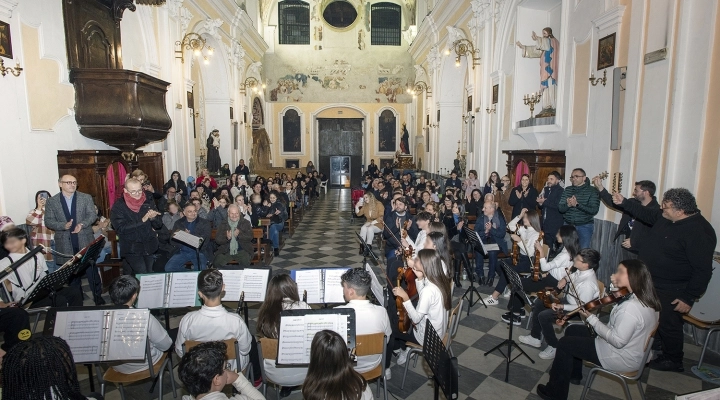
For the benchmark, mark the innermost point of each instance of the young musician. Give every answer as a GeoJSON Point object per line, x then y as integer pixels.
{"type": "Point", "coordinates": [212, 321]}
{"type": "Point", "coordinates": [330, 374]}
{"type": "Point", "coordinates": [202, 371]}
{"type": "Point", "coordinates": [619, 345]}
{"type": "Point", "coordinates": [434, 301]}
{"type": "Point", "coordinates": [422, 220]}
{"type": "Point", "coordinates": [580, 288]}
{"type": "Point", "coordinates": [124, 291]}
{"type": "Point", "coordinates": [526, 237]}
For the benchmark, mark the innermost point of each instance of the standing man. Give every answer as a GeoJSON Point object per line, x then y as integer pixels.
{"type": "Point", "coordinates": [242, 169]}
{"type": "Point", "coordinates": [579, 203]}
{"type": "Point", "coordinates": [135, 219]}
{"type": "Point", "coordinates": [549, 200]}
{"type": "Point", "coordinates": [234, 240]}
{"type": "Point", "coordinates": [373, 169]}
{"type": "Point", "coordinates": [71, 215]}
{"type": "Point", "coordinates": [634, 231]}
{"type": "Point", "coordinates": [679, 254]}
{"type": "Point", "coordinates": [193, 225]}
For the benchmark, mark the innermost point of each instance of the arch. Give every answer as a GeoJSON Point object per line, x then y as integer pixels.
{"type": "Point", "coordinates": [291, 118]}
{"type": "Point", "coordinates": [378, 145]}
{"type": "Point", "coordinates": [313, 138]}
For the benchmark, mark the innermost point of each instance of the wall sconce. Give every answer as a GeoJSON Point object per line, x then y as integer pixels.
{"type": "Point", "coordinates": [468, 117]}
{"type": "Point", "coordinates": [418, 88]}
{"type": "Point", "coordinates": [253, 84]}
{"type": "Point", "coordinates": [15, 71]}
{"type": "Point", "coordinates": [433, 125]}
{"type": "Point", "coordinates": [196, 43]}
{"type": "Point", "coordinates": [464, 47]}
{"type": "Point", "coordinates": [492, 110]}
{"type": "Point", "coordinates": [594, 81]}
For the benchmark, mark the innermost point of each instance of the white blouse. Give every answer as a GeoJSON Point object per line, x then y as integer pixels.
{"type": "Point", "coordinates": [430, 306]}
{"type": "Point", "coordinates": [557, 266]}
{"type": "Point", "coordinates": [528, 235]}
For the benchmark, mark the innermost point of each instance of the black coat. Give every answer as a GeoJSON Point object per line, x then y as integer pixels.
{"type": "Point", "coordinates": [640, 230]}
{"type": "Point", "coordinates": [551, 219]}
{"type": "Point", "coordinates": [179, 186]}
{"type": "Point", "coordinates": [203, 228]}
{"type": "Point", "coordinates": [390, 221]}
{"type": "Point", "coordinates": [136, 237]}
{"type": "Point", "coordinates": [518, 203]}
{"type": "Point", "coordinates": [244, 170]}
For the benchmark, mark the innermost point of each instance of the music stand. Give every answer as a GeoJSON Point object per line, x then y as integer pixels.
{"type": "Point", "coordinates": [515, 288]}
{"type": "Point", "coordinates": [443, 367]}
{"type": "Point", "coordinates": [367, 250]}
{"type": "Point", "coordinates": [88, 261]}
{"type": "Point", "coordinates": [474, 239]}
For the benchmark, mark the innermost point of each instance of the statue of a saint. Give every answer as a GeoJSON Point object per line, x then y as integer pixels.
{"type": "Point", "coordinates": [405, 140]}
{"type": "Point", "coordinates": [546, 49]}
{"type": "Point", "coordinates": [213, 151]}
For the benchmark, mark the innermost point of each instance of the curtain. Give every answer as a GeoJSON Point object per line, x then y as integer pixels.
{"type": "Point", "coordinates": [520, 169]}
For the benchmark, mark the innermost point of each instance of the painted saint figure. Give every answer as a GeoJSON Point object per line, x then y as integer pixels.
{"type": "Point", "coordinates": [546, 49]}
{"type": "Point", "coordinates": [405, 140]}
{"type": "Point", "coordinates": [213, 151]}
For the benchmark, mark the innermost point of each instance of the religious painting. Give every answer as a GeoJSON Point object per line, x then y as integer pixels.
{"type": "Point", "coordinates": [292, 140]}
{"type": "Point", "coordinates": [495, 93]}
{"type": "Point", "coordinates": [5, 43]}
{"type": "Point", "coordinates": [387, 132]}
{"type": "Point", "coordinates": [438, 117]}
{"type": "Point", "coordinates": [258, 119]}
{"type": "Point", "coordinates": [469, 104]}
{"type": "Point", "coordinates": [292, 163]}
{"type": "Point", "coordinates": [606, 52]}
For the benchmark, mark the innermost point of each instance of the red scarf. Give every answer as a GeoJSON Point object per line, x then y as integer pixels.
{"type": "Point", "coordinates": [132, 203]}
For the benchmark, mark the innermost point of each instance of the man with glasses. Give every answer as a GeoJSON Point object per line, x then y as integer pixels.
{"type": "Point", "coordinates": [548, 201]}
{"type": "Point", "coordinates": [135, 219]}
{"type": "Point", "coordinates": [71, 214]}
{"type": "Point", "coordinates": [579, 203]}
{"type": "Point", "coordinates": [679, 254]}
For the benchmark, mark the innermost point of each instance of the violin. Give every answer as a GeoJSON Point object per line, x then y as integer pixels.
{"type": "Point", "coordinates": [536, 262]}
{"type": "Point", "coordinates": [515, 246]}
{"type": "Point", "coordinates": [549, 296]}
{"type": "Point", "coordinates": [613, 297]}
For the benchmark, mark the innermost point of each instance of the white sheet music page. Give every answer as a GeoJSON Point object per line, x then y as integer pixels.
{"type": "Point", "coordinates": [375, 285]}
{"type": "Point", "coordinates": [487, 246]}
{"type": "Point", "coordinates": [310, 280]}
{"type": "Point", "coordinates": [333, 285]}
{"type": "Point", "coordinates": [187, 238]}
{"type": "Point", "coordinates": [128, 334]}
{"type": "Point", "coordinates": [233, 284]}
{"type": "Point", "coordinates": [315, 323]}
{"type": "Point", "coordinates": [152, 291]}
{"type": "Point", "coordinates": [254, 283]}
{"type": "Point", "coordinates": [83, 332]}
{"type": "Point", "coordinates": [291, 341]}
{"type": "Point", "coordinates": [183, 289]}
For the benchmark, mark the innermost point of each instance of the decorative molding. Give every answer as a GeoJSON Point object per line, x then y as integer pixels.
{"type": "Point", "coordinates": [173, 7]}
{"type": "Point", "coordinates": [434, 59]}
{"type": "Point", "coordinates": [497, 12]}
{"type": "Point", "coordinates": [454, 34]}
{"type": "Point", "coordinates": [420, 74]}
{"type": "Point", "coordinates": [211, 27]}
{"type": "Point", "coordinates": [254, 70]}
{"type": "Point", "coordinates": [189, 83]}
{"type": "Point", "coordinates": [185, 18]}
{"type": "Point", "coordinates": [609, 19]}
{"type": "Point", "coordinates": [7, 7]}
{"type": "Point", "coordinates": [236, 53]}
{"type": "Point", "coordinates": [119, 7]}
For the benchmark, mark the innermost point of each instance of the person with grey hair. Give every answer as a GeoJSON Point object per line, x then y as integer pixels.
{"type": "Point", "coordinates": [679, 254]}
{"type": "Point", "coordinates": [369, 318]}
{"type": "Point", "coordinates": [234, 240]}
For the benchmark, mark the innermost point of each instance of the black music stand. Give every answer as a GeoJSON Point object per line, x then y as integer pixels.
{"type": "Point", "coordinates": [444, 368]}
{"type": "Point", "coordinates": [472, 290]}
{"type": "Point", "coordinates": [367, 250]}
{"type": "Point", "coordinates": [88, 261]}
{"type": "Point", "coordinates": [515, 288]}
{"type": "Point", "coordinates": [51, 284]}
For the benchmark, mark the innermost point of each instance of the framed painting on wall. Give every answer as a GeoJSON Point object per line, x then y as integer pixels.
{"type": "Point", "coordinates": [387, 132]}
{"type": "Point", "coordinates": [606, 52]}
{"type": "Point", "coordinates": [5, 43]}
{"type": "Point", "coordinates": [469, 103]}
{"type": "Point", "coordinates": [495, 93]}
{"type": "Point", "coordinates": [292, 163]}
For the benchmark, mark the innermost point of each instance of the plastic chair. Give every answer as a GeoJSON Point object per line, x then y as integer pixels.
{"type": "Point", "coordinates": [373, 344]}
{"type": "Point", "coordinates": [416, 350]}
{"type": "Point", "coordinates": [712, 327]}
{"type": "Point", "coordinates": [323, 185]}
{"type": "Point", "coordinates": [231, 352]}
{"type": "Point", "coordinates": [624, 376]}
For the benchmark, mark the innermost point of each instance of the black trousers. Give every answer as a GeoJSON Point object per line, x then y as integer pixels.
{"type": "Point", "coordinates": [397, 341]}
{"type": "Point", "coordinates": [523, 265]}
{"type": "Point", "coordinates": [670, 330]}
{"type": "Point", "coordinates": [93, 277]}
{"type": "Point", "coordinates": [531, 286]}
{"type": "Point", "coordinates": [577, 345]}
{"type": "Point", "coordinates": [15, 325]}
{"type": "Point", "coordinates": [138, 264]}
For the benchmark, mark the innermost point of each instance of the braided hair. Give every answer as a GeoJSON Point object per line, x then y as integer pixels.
{"type": "Point", "coordinates": [40, 368]}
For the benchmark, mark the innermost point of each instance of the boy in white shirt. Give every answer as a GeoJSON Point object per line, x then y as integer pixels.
{"type": "Point", "coordinates": [212, 321]}
{"type": "Point", "coordinates": [124, 291]}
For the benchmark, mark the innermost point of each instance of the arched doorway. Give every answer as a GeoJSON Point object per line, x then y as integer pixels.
{"type": "Point", "coordinates": [340, 143]}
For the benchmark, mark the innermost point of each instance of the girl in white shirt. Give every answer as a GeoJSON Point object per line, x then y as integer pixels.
{"type": "Point", "coordinates": [619, 345]}
{"type": "Point", "coordinates": [330, 373]}
{"type": "Point", "coordinates": [434, 301]}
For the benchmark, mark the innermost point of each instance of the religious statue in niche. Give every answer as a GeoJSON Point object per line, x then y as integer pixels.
{"type": "Point", "coordinates": [213, 151]}
{"type": "Point", "coordinates": [546, 49]}
{"type": "Point", "coordinates": [405, 140]}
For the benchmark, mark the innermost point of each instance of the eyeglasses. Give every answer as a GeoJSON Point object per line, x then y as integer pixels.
{"type": "Point", "coordinates": [578, 176]}
{"type": "Point", "coordinates": [135, 191]}
{"type": "Point", "coordinates": [69, 182]}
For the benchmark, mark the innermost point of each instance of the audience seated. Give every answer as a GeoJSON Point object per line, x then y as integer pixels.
{"type": "Point", "coordinates": [193, 225]}
{"type": "Point", "coordinates": [234, 240]}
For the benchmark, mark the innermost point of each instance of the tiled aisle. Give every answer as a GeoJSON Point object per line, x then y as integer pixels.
{"type": "Point", "coordinates": [326, 238]}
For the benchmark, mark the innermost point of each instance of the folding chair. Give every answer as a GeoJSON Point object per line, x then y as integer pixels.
{"type": "Point", "coordinates": [373, 344]}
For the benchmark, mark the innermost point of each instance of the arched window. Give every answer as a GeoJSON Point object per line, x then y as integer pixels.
{"type": "Point", "coordinates": [294, 21]}
{"type": "Point", "coordinates": [385, 29]}
{"type": "Point", "coordinates": [387, 132]}
{"type": "Point", "coordinates": [292, 140]}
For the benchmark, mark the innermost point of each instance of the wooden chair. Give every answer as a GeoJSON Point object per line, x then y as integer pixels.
{"type": "Point", "coordinates": [369, 345]}
{"type": "Point", "coordinates": [231, 353]}
{"type": "Point", "coordinates": [262, 251]}
{"type": "Point", "coordinates": [163, 364]}
{"type": "Point", "coordinates": [267, 350]}
{"type": "Point", "coordinates": [415, 350]}
{"type": "Point", "coordinates": [112, 268]}
{"type": "Point", "coordinates": [601, 289]}
{"type": "Point", "coordinates": [624, 376]}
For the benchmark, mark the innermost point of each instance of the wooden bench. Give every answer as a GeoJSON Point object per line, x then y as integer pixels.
{"type": "Point", "coordinates": [112, 268]}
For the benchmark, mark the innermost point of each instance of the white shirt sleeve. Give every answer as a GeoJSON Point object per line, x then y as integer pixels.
{"type": "Point", "coordinates": [245, 389]}
{"type": "Point", "coordinates": [158, 335]}
{"type": "Point", "coordinates": [619, 335]}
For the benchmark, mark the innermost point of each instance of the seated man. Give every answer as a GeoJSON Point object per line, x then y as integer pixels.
{"type": "Point", "coordinates": [234, 240]}
{"type": "Point", "coordinates": [490, 226]}
{"type": "Point", "coordinates": [369, 318]}
{"type": "Point", "coordinates": [202, 371]}
{"type": "Point", "coordinates": [124, 291]}
{"type": "Point", "coordinates": [193, 225]}
{"type": "Point", "coordinates": [212, 321]}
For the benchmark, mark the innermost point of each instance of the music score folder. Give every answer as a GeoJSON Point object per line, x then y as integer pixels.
{"type": "Point", "coordinates": [298, 328]}
{"type": "Point", "coordinates": [323, 285]}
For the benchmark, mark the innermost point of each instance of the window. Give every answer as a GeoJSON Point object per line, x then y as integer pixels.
{"type": "Point", "coordinates": [340, 14]}
{"type": "Point", "coordinates": [292, 141]}
{"type": "Point", "coordinates": [294, 18]}
{"type": "Point", "coordinates": [385, 24]}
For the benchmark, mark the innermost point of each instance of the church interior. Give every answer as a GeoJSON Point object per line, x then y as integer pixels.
{"type": "Point", "coordinates": [96, 89]}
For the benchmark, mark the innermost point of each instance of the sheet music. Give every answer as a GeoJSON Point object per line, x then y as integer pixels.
{"type": "Point", "coordinates": [333, 292]}
{"type": "Point", "coordinates": [486, 246]}
{"type": "Point", "coordinates": [375, 286]}
{"type": "Point", "coordinates": [128, 334]}
{"type": "Point", "coordinates": [83, 331]}
{"type": "Point", "coordinates": [310, 280]}
{"type": "Point", "coordinates": [297, 333]}
{"type": "Point", "coordinates": [189, 239]}
{"type": "Point", "coordinates": [233, 284]}
{"type": "Point", "coordinates": [183, 289]}
{"type": "Point", "coordinates": [152, 291]}
{"type": "Point", "coordinates": [254, 283]}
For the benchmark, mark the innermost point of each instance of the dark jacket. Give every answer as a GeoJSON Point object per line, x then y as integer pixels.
{"type": "Point", "coordinates": [391, 224]}
{"type": "Point", "coordinates": [280, 218]}
{"type": "Point", "coordinates": [518, 203]}
{"type": "Point", "coordinates": [244, 238]}
{"type": "Point", "coordinates": [136, 237]}
{"type": "Point", "coordinates": [202, 229]}
{"type": "Point", "coordinates": [475, 207]}
{"type": "Point", "coordinates": [678, 254]}
{"type": "Point", "coordinates": [588, 204]}
{"type": "Point", "coordinates": [55, 219]}
{"type": "Point", "coordinates": [453, 182]}
{"type": "Point", "coordinates": [179, 185]}
{"type": "Point", "coordinates": [244, 170]}
{"type": "Point", "coordinates": [216, 216]}
{"type": "Point", "coordinates": [640, 230]}
{"type": "Point", "coordinates": [497, 233]}
{"type": "Point", "coordinates": [551, 219]}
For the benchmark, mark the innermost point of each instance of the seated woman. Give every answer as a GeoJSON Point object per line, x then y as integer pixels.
{"type": "Point", "coordinates": [282, 294]}
{"type": "Point", "coordinates": [475, 204]}
{"type": "Point", "coordinates": [218, 214]}
{"type": "Point", "coordinates": [619, 345]}
{"type": "Point", "coordinates": [373, 211]}
{"type": "Point", "coordinates": [330, 373]}
{"type": "Point", "coordinates": [455, 220]}
{"type": "Point", "coordinates": [172, 214]}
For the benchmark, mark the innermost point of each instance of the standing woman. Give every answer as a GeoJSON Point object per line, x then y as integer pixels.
{"type": "Point", "coordinates": [373, 211]}
{"type": "Point", "coordinates": [523, 196]}
{"type": "Point", "coordinates": [493, 183]}
{"type": "Point", "coordinates": [176, 182]}
{"type": "Point", "coordinates": [277, 212]}
{"type": "Point", "coordinates": [471, 183]}
{"type": "Point", "coordinates": [310, 168]}
{"type": "Point", "coordinates": [41, 234]}
{"type": "Point", "coordinates": [502, 197]}
{"type": "Point", "coordinates": [619, 345]}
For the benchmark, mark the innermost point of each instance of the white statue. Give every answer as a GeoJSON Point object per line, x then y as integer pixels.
{"type": "Point", "coordinates": [546, 49]}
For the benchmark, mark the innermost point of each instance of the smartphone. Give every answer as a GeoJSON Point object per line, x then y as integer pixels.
{"type": "Point", "coordinates": [44, 196]}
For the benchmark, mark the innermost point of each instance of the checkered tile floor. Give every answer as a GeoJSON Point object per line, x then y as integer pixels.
{"type": "Point", "coordinates": [326, 237]}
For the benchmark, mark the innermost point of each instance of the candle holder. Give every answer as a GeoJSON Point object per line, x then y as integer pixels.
{"type": "Point", "coordinates": [530, 100]}
{"type": "Point", "coordinates": [14, 71]}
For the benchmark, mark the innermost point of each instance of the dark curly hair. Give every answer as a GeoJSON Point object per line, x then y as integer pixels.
{"type": "Point", "coordinates": [358, 279]}
{"type": "Point", "coordinates": [199, 366]}
{"type": "Point", "coordinates": [682, 200]}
